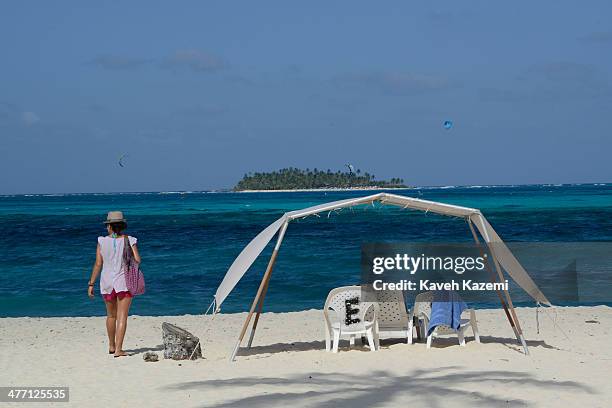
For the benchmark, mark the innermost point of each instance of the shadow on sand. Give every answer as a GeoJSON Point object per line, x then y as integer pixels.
{"type": "Point", "coordinates": [159, 347]}
{"type": "Point", "coordinates": [442, 342]}
{"type": "Point", "coordinates": [420, 387]}
{"type": "Point", "coordinates": [514, 345]}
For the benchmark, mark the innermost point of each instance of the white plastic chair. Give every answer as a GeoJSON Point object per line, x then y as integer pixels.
{"type": "Point", "coordinates": [336, 323]}
{"type": "Point", "coordinates": [422, 312]}
{"type": "Point", "coordinates": [393, 318]}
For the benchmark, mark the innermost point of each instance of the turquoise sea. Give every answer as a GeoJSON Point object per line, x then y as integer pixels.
{"type": "Point", "coordinates": [188, 240]}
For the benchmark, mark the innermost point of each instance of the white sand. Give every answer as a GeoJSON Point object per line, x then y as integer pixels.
{"type": "Point", "coordinates": [325, 189]}
{"type": "Point", "coordinates": [288, 366]}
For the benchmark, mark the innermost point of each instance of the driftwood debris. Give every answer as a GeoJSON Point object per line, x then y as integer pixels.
{"type": "Point", "coordinates": [179, 343]}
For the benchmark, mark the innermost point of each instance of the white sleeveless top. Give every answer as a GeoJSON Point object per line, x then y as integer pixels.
{"type": "Point", "coordinates": [112, 257]}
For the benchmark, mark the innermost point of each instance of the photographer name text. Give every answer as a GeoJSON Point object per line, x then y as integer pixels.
{"type": "Point", "coordinates": [427, 285]}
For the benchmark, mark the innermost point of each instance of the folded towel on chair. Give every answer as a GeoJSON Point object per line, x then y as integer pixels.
{"type": "Point", "coordinates": [446, 309]}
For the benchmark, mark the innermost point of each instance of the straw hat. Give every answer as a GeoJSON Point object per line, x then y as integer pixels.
{"type": "Point", "coordinates": [115, 217]}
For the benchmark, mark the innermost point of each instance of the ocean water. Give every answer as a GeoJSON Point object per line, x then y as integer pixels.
{"type": "Point", "coordinates": [188, 240]}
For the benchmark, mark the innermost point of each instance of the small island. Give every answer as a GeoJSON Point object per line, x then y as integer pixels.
{"type": "Point", "coordinates": [291, 179]}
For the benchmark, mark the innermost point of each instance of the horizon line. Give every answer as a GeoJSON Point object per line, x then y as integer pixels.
{"type": "Point", "coordinates": [230, 190]}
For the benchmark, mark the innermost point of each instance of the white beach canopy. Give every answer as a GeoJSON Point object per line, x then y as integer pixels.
{"type": "Point", "coordinates": [251, 252]}
{"type": "Point", "coordinates": [504, 260]}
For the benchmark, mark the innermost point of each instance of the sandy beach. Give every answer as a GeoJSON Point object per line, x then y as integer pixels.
{"type": "Point", "coordinates": [325, 190]}
{"type": "Point", "coordinates": [288, 365]}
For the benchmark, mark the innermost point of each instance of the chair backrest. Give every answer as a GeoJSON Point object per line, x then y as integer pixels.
{"type": "Point", "coordinates": [392, 313]}
{"type": "Point", "coordinates": [422, 304]}
{"type": "Point", "coordinates": [336, 300]}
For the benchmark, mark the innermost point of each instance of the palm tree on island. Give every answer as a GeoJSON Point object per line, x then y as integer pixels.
{"type": "Point", "coordinates": [292, 178]}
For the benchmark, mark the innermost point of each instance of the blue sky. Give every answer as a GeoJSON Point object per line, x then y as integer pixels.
{"type": "Point", "coordinates": [198, 93]}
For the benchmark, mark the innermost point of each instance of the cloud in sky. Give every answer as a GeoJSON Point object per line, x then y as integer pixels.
{"type": "Point", "coordinates": [567, 73]}
{"type": "Point", "coordinates": [97, 108]}
{"type": "Point", "coordinates": [13, 114]}
{"type": "Point", "coordinates": [601, 37]}
{"type": "Point", "coordinates": [118, 62]}
{"type": "Point", "coordinates": [501, 95]}
{"type": "Point", "coordinates": [29, 118]}
{"type": "Point", "coordinates": [568, 79]}
{"type": "Point", "coordinates": [201, 111]}
{"type": "Point", "coordinates": [563, 71]}
{"type": "Point", "coordinates": [441, 17]}
{"type": "Point", "coordinates": [7, 110]}
{"type": "Point", "coordinates": [194, 60]}
{"type": "Point", "coordinates": [395, 83]}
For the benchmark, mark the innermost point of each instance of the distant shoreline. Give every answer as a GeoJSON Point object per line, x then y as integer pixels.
{"type": "Point", "coordinates": [229, 190]}
{"type": "Point", "coordinates": [308, 190]}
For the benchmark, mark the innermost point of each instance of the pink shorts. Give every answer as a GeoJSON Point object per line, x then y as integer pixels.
{"type": "Point", "coordinates": [109, 297]}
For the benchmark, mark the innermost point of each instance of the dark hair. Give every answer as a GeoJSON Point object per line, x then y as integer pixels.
{"type": "Point", "coordinates": [117, 227]}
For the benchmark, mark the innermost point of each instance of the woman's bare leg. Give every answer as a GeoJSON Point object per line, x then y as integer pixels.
{"type": "Point", "coordinates": [111, 322]}
{"type": "Point", "coordinates": [123, 308]}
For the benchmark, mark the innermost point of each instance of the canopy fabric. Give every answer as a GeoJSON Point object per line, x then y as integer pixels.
{"type": "Point", "coordinates": [250, 253]}
{"type": "Point", "coordinates": [428, 206]}
{"type": "Point", "coordinates": [507, 260]}
{"type": "Point", "coordinates": [334, 205]}
{"type": "Point", "coordinates": [385, 198]}
{"type": "Point", "coordinates": [246, 258]}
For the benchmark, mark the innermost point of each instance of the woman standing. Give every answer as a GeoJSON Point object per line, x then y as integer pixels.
{"type": "Point", "coordinates": [109, 259]}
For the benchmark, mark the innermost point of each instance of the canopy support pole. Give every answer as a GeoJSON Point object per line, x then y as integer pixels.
{"type": "Point", "coordinates": [494, 280]}
{"type": "Point", "coordinates": [262, 285]}
{"type": "Point", "coordinates": [521, 338]}
{"type": "Point", "coordinates": [259, 309]}
{"type": "Point", "coordinates": [518, 331]}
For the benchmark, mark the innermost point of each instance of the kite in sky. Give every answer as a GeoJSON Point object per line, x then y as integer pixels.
{"type": "Point", "coordinates": [447, 124]}
{"type": "Point", "coordinates": [121, 159]}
